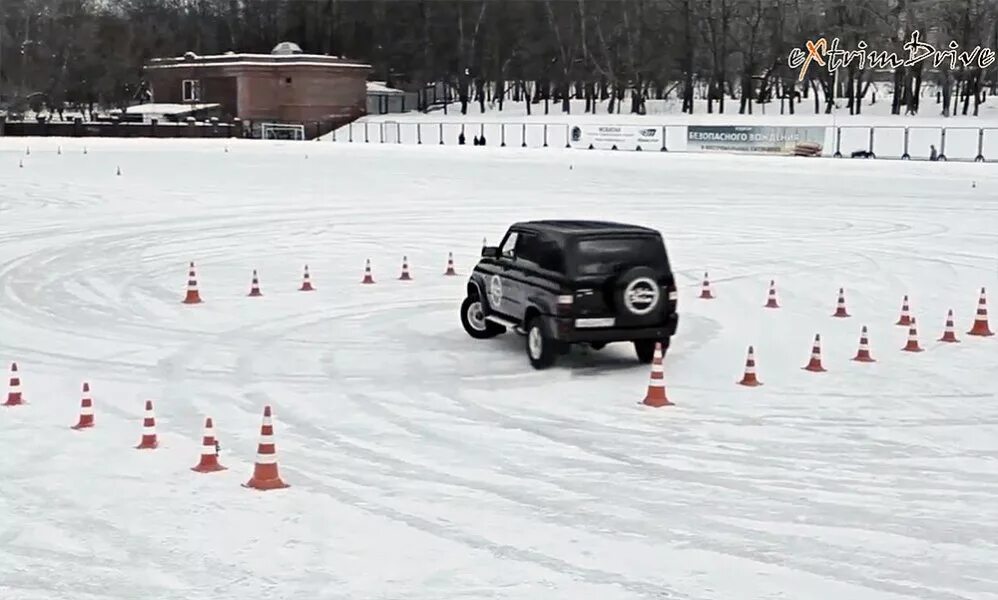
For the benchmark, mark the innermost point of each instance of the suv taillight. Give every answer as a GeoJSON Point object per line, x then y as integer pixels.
{"type": "Point", "coordinates": [565, 304]}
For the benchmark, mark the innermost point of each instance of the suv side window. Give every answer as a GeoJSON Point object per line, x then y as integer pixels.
{"type": "Point", "coordinates": [507, 248]}
{"type": "Point", "coordinates": [527, 247]}
{"type": "Point", "coordinates": [550, 256]}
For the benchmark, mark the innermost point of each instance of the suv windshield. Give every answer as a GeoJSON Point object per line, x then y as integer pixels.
{"type": "Point", "coordinates": [606, 255]}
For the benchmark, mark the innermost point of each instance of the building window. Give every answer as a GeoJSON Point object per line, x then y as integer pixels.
{"type": "Point", "coordinates": [192, 90]}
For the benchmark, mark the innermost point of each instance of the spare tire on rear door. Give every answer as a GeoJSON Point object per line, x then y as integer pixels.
{"type": "Point", "coordinates": [637, 293]}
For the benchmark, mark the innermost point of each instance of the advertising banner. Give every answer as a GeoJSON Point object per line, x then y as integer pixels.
{"type": "Point", "coordinates": [790, 141]}
{"type": "Point", "coordinates": [623, 137]}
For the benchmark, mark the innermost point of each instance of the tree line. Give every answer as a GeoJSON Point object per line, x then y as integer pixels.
{"type": "Point", "coordinates": [612, 54]}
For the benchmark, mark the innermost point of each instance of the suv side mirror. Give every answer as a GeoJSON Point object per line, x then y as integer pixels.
{"type": "Point", "coordinates": [490, 251]}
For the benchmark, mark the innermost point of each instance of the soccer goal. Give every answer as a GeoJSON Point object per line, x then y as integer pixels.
{"type": "Point", "coordinates": [282, 131]}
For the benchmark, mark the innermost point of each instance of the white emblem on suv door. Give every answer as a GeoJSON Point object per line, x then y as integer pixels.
{"type": "Point", "coordinates": [641, 296]}
{"type": "Point", "coordinates": [495, 291]}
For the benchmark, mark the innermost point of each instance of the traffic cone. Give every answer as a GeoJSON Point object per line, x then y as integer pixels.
{"type": "Point", "coordinates": [750, 378]}
{"type": "Point", "coordinates": [814, 365]}
{"type": "Point", "coordinates": [981, 327]}
{"type": "Point", "coordinates": [905, 319]}
{"type": "Point", "coordinates": [265, 473]}
{"type": "Point", "coordinates": [705, 292]}
{"type": "Point", "coordinates": [255, 286]}
{"type": "Point", "coordinates": [949, 336]}
{"type": "Point", "coordinates": [863, 354]}
{"type": "Point", "coordinates": [14, 397]}
{"type": "Point", "coordinates": [209, 451]}
{"type": "Point", "coordinates": [367, 273]}
{"type": "Point", "coordinates": [149, 440]}
{"type": "Point", "coordinates": [655, 396]}
{"type": "Point", "coordinates": [306, 282]}
{"type": "Point", "coordinates": [193, 296]}
{"type": "Point", "coordinates": [771, 302]}
{"type": "Point", "coordinates": [450, 265]}
{"type": "Point", "coordinates": [840, 308]}
{"type": "Point", "coordinates": [405, 270]}
{"type": "Point", "coordinates": [86, 410]}
{"type": "Point", "coordinates": [912, 345]}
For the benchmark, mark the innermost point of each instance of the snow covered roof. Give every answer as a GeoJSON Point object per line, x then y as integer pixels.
{"type": "Point", "coordinates": [167, 109]}
{"type": "Point", "coordinates": [285, 57]}
{"type": "Point", "coordinates": [379, 88]}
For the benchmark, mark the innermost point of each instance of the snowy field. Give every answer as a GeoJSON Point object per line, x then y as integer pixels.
{"type": "Point", "coordinates": [425, 465]}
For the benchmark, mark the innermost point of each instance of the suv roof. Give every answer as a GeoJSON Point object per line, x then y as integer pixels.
{"type": "Point", "coordinates": [581, 227]}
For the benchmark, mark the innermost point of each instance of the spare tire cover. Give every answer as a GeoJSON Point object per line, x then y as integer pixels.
{"type": "Point", "coordinates": [638, 293]}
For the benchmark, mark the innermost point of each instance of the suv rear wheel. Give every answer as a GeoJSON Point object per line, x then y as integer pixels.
{"type": "Point", "coordinates": [645, 349]}
{"type": "Point", "coordinates": [541, 349]}
{"type": "Point", "coordinates": [474, 322]}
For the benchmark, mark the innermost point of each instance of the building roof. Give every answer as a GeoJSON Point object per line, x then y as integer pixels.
{"type": "Point", "coordinates": [379, 88]}
{"type": "Point", "coordinates": [284, 54]}
{"type": "Point", "coordinates": [167, 109]}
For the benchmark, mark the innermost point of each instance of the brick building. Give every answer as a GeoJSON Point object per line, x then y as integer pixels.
{"type": "Point", "coordinates": [286, 86]}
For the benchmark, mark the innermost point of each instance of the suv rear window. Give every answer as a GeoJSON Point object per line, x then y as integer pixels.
{"type": "Point", "coordinates": [605, 255]}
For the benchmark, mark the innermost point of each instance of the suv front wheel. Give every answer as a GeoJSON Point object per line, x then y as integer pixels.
{"type": "Point", "coordinates": [645, 349]}
{"type": "Point", "coordinates": [474, 322]}
{"type": "Point", "coordinates": [541, 349]}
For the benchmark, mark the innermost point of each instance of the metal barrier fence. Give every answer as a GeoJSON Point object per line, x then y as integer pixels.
{"type": "Point", "coordinates": [967, 144]}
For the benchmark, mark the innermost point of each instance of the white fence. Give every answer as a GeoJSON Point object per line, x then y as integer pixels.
{"type": "Point", "coordinates": [971, 144]}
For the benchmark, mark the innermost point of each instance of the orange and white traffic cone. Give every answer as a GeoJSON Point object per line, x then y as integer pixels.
{"type": "Point", "coordinates": [705, 292]}
{"type": "Point", "coordinates": [840, 308]}
{"type": "Point", "coordinates": [86, 410]}
{"type": "Point", "coordinates": [193, 296]}
{"type": "Point", "coordinates": [450, 265]}
{"type": "Point", "coordinates": [149, 439]}
{"type": "Point", "coordinates": [814, 365]}
{"type": "Point", "coordinates": [14, 397]}
{"type": "Point", "coordinates": [912, 345]}
{"type": "Point", "coordinates": [656, 396]}
{"type": "Point", "coordinates": [306, 282]}
{"type": "Point", "coordinates": [771, 302]}
{"type": "Point", "coordinates": [368, 278]}
{"type": "Point", "coordinates": [255, 286]}
{"type": "Point", "coordinates": [863, 354]}
{"type": "Point", "coordinates": [209, 451]}
{"type": "Point", "coordinates": [905, 319]}
{"type": "Point", "coordinates": [750, 379]}
{"type": "Point", "coordinates": [949, 335]}
{"type": "Point", "coordinates": [981, 327]}
{"type": "Point", "coordinates": [265, 472]}
{"type": "Point", "coordinates": [405, 270]}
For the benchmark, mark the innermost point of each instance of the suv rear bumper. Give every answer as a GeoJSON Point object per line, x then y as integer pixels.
{"type": "Point", "coordinates": [564, 330]}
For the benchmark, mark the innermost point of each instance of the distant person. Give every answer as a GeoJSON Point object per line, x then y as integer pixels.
{"type": "Point", "coordinates": [933, 155]}
{"type": "Point", "coordinates": [481, 140]}
{"type": "Point", "coordinates": [475, 141]}
{"type": "Point", "coordinates": [460, 139]}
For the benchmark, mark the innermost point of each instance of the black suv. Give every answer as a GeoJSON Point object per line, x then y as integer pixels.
{"type": "Point", "coordinates": [567, 282]}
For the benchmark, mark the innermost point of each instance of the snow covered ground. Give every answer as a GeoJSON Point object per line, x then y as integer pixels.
{"type": "Point", "coordinates": [426, 465]}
